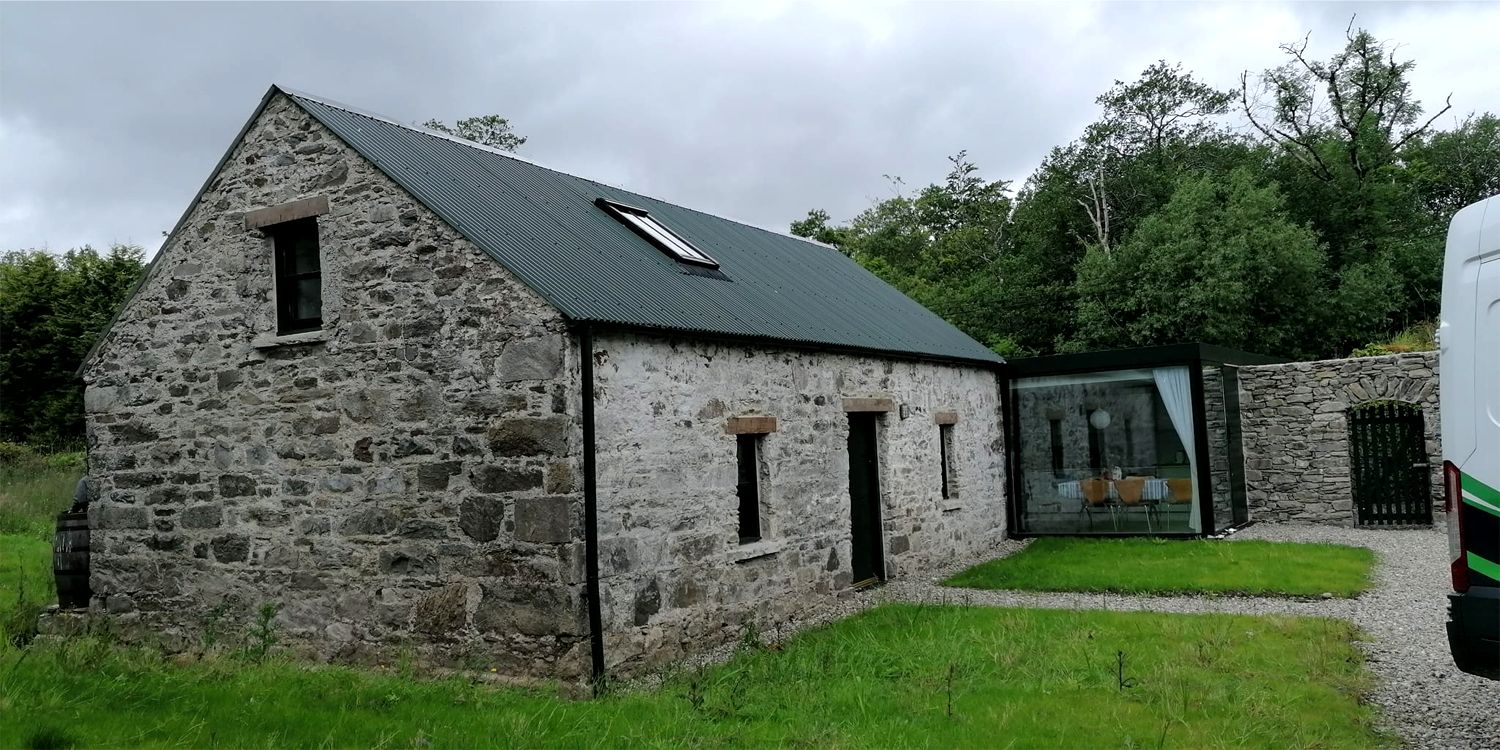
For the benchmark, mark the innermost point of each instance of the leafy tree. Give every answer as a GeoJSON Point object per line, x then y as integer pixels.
{"type": "Point", "coordinates": [1341, 127]}
{"type": "Point", "coordinates": [1451, 169]}
{"type": "Point", "coordinates": [816, 226]}
{"type": "Point", "coordinates": [940, 247]}
{"type": "Point", "coordinates": [1220, 263]}
{"type": "Point", "coordinates": [1095, 190]}
{"type": "Point", "coordinates": [52, 309]}
{"type": "Point", "coordinates": [491, 130]}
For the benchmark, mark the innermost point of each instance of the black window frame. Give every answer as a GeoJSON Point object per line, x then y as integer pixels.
{"type": "Point", "coordinates": [284, 239]}
{"type": "Point", "coordinates": [747, 488]}
{"type": "Point", "coordinates": [656, 232]}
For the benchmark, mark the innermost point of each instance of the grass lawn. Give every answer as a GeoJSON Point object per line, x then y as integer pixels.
{"type": "Point", "coordinates": [1159, 566]}
{"type": "Point", "coordinates": [897, 676]}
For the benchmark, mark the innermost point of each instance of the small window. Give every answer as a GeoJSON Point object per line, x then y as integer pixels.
{"type": "Point", "coordinates": [1096, 449]}
{"type": "Point", "coordinates": [1057, 447]}
{"type": "Point", "coordinates": [299, 276]}
{"type": "Point", "coordinates": [945, 456]}
{"type": "Point", "coordinates": [749, 488]}
{"type": "Point", "coordinates": [647, 226]}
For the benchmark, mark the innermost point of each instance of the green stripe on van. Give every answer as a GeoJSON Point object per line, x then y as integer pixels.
{"type": "Point", "coordinates": [1480, 490]}
{"type": "Point", "coordinates": [1480, 496]}
{"type": "Point", "coordinates": [1481, 565]}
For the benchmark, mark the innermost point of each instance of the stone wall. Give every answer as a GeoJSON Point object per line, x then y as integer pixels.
{"type": "Point", "coordinates": [1217, 426]}
{"type": "Point", "coordinates": [1296, 435]}
{"type": "Point", "coordinates": [675, 578]}
{"type": "Point", "coordinates": [412, 478]}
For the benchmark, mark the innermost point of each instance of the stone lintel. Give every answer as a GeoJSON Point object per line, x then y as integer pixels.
{"type": "Point", "coordinates": [869, 404]}
{"type": "Point", "coordinates": [301, 209]}
{"type": "Point", "coordinates": [749, 425]}
{"type": "Point", "coordinates": [945, 417]}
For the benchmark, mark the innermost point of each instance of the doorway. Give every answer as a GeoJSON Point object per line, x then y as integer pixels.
{"type": "Point", "coordinates": [868, 556]}
{"type": "Point", "coordinates": [1389, 465]}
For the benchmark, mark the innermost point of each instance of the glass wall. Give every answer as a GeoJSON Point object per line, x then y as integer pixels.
{"type": "Point", "coordinates": [1107, 452]}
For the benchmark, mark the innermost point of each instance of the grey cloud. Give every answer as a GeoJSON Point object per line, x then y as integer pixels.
{"type": "Point", "coordinates": [111, 115]}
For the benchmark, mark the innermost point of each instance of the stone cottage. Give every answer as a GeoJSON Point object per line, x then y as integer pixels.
{"type": "Point", "coordinates": [422, 394]}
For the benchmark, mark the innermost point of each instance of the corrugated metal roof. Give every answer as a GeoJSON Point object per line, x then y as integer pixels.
{"type": "Point", "coordinates": [543, 226]}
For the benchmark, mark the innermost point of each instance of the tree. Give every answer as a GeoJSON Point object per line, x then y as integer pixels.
{"type": "Point", "coordinates": [1092, 193]}
{"type": "Point", "coordinates": [1220, 263]}
{"type": "Point", "coordinates": [1366, 113]}
{"type": "Point", "coordinates": [816, 226]}
{"type": "Point", "coordinates": [939, 247]}
{"type": "Point", "coordinates": [491, 130]}
{"type": "Point", "coordinates": [1451, 169]}
{"type": "Point", "coordinates": [52, 310]}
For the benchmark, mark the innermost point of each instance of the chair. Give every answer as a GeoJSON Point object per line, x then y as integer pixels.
{"type": "Point", "coordinates": [1130, 492]}
{"type": "Point", "coordinates": [1180, 491]}
{"type": "Point", "coordinates": [1095, 497]}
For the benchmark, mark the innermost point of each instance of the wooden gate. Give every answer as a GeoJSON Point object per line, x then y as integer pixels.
{"type": "Point", "coordinates": [1388, 464]}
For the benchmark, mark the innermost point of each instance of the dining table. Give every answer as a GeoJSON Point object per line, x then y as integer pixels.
{"type": "Point", "coordinates": [1154, 490]}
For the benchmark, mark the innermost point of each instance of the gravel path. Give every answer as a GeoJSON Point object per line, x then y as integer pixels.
{"type": "Point", "coordinates": [1425, 700]}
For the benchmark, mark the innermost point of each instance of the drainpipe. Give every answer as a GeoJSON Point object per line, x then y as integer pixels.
{"type": "Point", "coordinates": [591, 507]}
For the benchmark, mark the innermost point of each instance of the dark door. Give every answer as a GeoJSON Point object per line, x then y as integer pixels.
{"type": "Point", "coordinates": [1388, 464]}
{"type": "Point", "coordinates": [864, 500]}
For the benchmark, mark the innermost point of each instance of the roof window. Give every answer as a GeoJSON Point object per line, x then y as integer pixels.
{"type": "Point", "coordinates": [647, 226]}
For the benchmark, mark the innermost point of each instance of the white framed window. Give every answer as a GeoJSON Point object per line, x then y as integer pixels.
{"type": "Point", "coordinates": [644, 224]}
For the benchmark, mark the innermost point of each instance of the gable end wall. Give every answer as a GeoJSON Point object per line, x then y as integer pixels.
{"type": "Point", "coordinates": [413, 480]}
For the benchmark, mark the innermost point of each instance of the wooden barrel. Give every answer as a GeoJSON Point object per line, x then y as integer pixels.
{"type": "Point", "coordinates": [70, 560]}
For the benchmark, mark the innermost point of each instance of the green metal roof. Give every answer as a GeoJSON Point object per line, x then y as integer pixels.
{"type": "Point", "coordinates": [543, 226]}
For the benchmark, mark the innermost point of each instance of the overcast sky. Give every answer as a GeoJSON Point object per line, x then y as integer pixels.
{"type": "Point", "coordinates": [112, 115]}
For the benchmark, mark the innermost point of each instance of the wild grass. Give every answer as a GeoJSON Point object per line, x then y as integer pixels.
{"type": "Point", "coordinates": [1160, 566]}
{"type": "Point", "coordinates": [896, 676]}
{"type": "Point", "coordinates": [34, 488]}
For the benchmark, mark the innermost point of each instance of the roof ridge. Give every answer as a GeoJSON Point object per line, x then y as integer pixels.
{"type": "Point", "coordinates": [533, 162]}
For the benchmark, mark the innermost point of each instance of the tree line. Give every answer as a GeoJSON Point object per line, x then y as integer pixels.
{"type": "Point", "coordinates": [1302, 213]}
{"type": "Point", "coordinates": [52, 309]}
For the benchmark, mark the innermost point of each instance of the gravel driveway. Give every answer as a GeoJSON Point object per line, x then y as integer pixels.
{"type": "Point", "coordinates": [1425, 699]}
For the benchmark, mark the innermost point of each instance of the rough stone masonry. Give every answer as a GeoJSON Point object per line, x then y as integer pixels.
{"type": "Point", "coordinates": [411, 476]}
{"type": "Point", "coordinates": [406, 477]}
{"type": "Point", "coordinates": [1296, 430]}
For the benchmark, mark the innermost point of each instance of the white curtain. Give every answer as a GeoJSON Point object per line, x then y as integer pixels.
{"type": "Point", "coordinates": [1177, 394]}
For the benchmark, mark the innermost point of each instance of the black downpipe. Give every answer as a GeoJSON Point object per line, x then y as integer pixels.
{"type": "Point", "coordinates": [591, 508]}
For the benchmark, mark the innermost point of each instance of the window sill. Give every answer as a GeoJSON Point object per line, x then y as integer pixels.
{"type": "Point", "coordinates": [272, 341]}
{"type": "Point", "coordinates": [756, 550]}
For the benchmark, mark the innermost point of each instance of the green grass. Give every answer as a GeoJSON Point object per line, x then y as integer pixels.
{"type": "Point", "coordinates": [1158, 566]}
{"type": "Point", "coordinates": [897, 676]}
{"type": "Point", "coordinates": [34, 488]}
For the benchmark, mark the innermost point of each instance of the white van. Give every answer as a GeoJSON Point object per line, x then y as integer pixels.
{"type": "Point", "coordinates": [1469, 372]}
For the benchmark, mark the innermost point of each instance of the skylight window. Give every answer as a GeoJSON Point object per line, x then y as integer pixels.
{"type": "Point", "coordinates": [644, 224]}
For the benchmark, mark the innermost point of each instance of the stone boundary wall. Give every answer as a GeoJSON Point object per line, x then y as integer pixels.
{"type": "Point", "coordinates": [1296, 435]}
